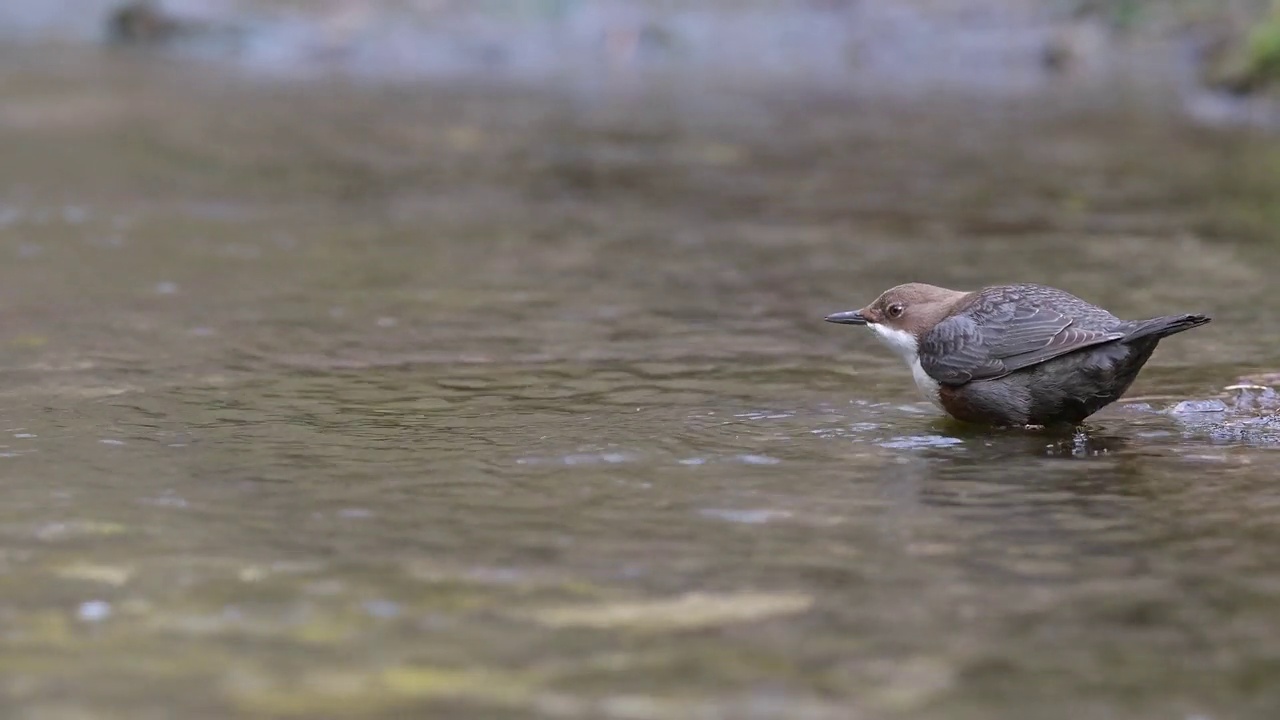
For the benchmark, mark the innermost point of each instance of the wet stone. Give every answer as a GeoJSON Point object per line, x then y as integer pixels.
{"type": "Point", "coordinates": [1254, 398]}
{"type": "Point", "coordinates": [1263, 431]}
{"type": "Point", "coordinates": [1246, 413]}
{"type": "Point", "coordinates": [1199, 406]}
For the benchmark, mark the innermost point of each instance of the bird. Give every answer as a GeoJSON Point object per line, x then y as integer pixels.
{"type": "Point", "coordinates": [1019, 355]}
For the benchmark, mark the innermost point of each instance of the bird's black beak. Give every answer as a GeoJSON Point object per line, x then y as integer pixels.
{"type": "Point", "coordinates": [851, 317]}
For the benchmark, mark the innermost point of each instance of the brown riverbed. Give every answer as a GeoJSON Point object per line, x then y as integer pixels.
{"type": "Point", "coordinates": [328, 400]}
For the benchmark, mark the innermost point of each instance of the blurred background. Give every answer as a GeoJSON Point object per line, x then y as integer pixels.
{"type": "Point", "coordinates": [444, 358]}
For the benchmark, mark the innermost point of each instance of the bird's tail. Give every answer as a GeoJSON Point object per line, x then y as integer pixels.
{"type": "Point", "coordinates": [1165, 326]}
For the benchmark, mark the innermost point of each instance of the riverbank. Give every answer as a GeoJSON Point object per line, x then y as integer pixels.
{"type": "Point", "coordinates": [1189, 55]}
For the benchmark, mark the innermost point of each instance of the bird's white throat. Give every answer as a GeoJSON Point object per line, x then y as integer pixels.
{"type": "Point", "coordinates": [904, 343]}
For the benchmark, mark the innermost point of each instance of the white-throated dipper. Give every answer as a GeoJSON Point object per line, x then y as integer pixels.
{"type": "Point", "coordinates": [1014, 355]}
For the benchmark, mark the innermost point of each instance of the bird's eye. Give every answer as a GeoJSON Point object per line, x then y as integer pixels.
{"type": "Point", "coordinates": [896, 310]}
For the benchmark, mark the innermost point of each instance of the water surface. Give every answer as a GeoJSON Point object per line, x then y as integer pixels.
{"type": "Point", "coordinates": [328, 401]}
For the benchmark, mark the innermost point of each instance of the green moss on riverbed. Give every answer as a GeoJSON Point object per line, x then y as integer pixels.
{"type": "Point", "coordinates": [1245, 58]}
{"type": "Point", "coordinates": [1263, 48]}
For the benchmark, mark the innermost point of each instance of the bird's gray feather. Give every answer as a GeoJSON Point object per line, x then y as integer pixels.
{"type": "Point", "coordinates": [1018, 327]}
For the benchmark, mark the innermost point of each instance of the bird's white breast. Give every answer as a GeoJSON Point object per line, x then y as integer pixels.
{"type": "Point", "coordinates": [904, 343]}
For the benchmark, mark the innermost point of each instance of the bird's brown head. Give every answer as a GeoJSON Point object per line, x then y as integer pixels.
{"type": "Point", "coordinates": [912, 308]}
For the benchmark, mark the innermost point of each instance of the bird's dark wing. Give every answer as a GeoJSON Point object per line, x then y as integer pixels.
{"type": "Point", "coordinates": [997, 340]}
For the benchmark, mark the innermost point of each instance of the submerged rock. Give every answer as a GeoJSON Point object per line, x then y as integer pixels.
{"type": "Point", "coordinates": [1245, 412]}
{"type": "Point", "coordinates": [1254, 398]}
{"type": "Point", "coordinates": [1081, 44]}
{"type": "Point", "coordinates": [150, 23]}
{"type": "Point", "coordinates": [1199, 406]}
{"type": "Point", "coordinates": [142, 23]}
{"type": "Point", "coordinates": [1259, 430]}
{"type": "Point", "coordinates": [693, 611]}
{"type": "Point", "coordinates": [1247, 397]}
